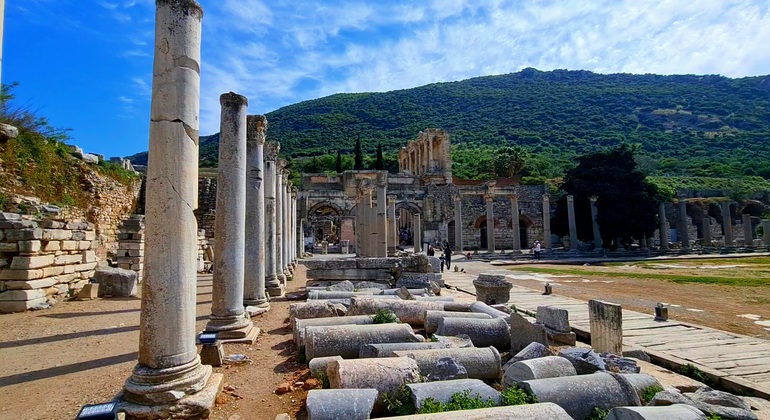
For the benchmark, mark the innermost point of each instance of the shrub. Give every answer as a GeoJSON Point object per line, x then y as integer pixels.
{"type": "Point", "coordinates": [649, 393]}
{"type": "Point", "coordinates": [384, 316]}
{"type": "Point", "coordinates": [517, 396]}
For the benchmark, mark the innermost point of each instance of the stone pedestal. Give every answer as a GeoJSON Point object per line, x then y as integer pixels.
{"type": "Point", "coordinates": [492, 289]}
{"type": "Point", "coordinates": [254, 293]}
{"type": "Point", "coordinates": [606, 323]}
{"type": "Point", "coordinates": [169, 376]}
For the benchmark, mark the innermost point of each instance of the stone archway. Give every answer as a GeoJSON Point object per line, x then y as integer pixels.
{"type": "Point", "coordinates": [324, 221]}
{"type": "Point", "coordinates": [405, 210]}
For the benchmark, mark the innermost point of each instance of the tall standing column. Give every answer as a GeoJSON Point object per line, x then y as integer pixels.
{"type": "Point", "coordinates": [663, 226]}
{"type": "Point", "coordinates": [459, 224]}
{"type": "Point", "coordinates": [573, 239]}
{"type": "Point", "coordinates": [2, 21]}
{"type": "Point", "coordinates": [430, 155]}
{"type": "Point", "coordinates": [490, 199]}
{"type": "Point", "coordinates": [748, 231]}
{"type": "Point", "coordinates": [766, 232]}
{"type": "Point", "coordinates": [294, 224]}
{"type": "Point", "coordinates": [706, 227]}
{"type": "Point", "coordinates": [228, 317]}
{"type": "Point", "coordinates": [254, 278]}
{"type": "Point", "coordinates": [515, 224]}
{"type": "Point", "coordinates": [382, 215]}
{"type": "Point", "coordinates": [595, 223]}
{"type": "Point", "coordinates": [546, 221]}
{"type": "Point", "coordinates": [273, 284]}
{"type": "Point", "coordinates": [169, 368]}
{"type": "Point", "coordinates": [279, 238]}
{"type": "Point", "coordinates": [392, 226]}
{"type": "Point", "coordinates": [684, 234]}
{"type": "Point", "coordinates": [727, 223]}
{"type": "Point", "coordinates": [287, 269]}
{"type": "Point", "coordinates": [417, 227]}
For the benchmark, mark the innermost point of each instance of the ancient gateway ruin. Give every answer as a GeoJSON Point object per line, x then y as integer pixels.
{"type": "Point", "coordinates": [429, 204]}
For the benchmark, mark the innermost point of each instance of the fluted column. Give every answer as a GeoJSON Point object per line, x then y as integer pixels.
{"type": "Point", "coordinates": [595, 224]}
{"type": "Point", "coordinates": [458, 224]}
{"type": "Point", "coordinates": [573, 239]}
{"type": "Point", "coordinates": [273, 284]}
{"type": "Point", "coordinates": [382, 215]}
{"type": "Point", "coordinates": [684, 234]}
{"type": "Point", "coordinates": [727, 223]}
{"type": "Point", "coordinates": [228, 316]}
{"type": "Point", "coordinates": [490, 199]}
{"type": "Point", "coordinates": [169, 368]}
{"type": "Point", "coordinates": [279, 215]}
{"type": "Point", "coordinates": [254, 293]}
{"type": "Point", "coordinates": [515, 224]}
{"type": "Point", "coordinates": [663, 226]}
{"type": "Point", "coordinates": [546, 221]}
{"type": "Point", "coordinates": [392, 226]}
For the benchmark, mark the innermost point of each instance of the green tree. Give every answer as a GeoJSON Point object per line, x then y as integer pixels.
{"type": "Point", "coordinates": [379, 163]}
{"type": "Point", "coordinates": [509, 161]}
{"type": "Point", "coordinates": [626, 202]}
{"type": "Point", "coordinates": [358, 156]}
{"type": "Point", "coordinates": [338, 166]}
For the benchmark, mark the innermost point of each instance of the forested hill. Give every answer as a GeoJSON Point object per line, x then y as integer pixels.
{"type": "Point", "coordinates": [682, 122]}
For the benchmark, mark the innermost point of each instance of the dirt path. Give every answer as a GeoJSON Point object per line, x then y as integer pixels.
{"type": "Point", "coordinates": [52, 362]}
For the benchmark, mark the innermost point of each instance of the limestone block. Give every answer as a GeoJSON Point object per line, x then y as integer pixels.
{"type": "Point", "coordinates": [30, 284]}
{"type": "Point", "coordinates": [341, 264]}
{"type": "Point", "coordinates": [675, 412]}
{"type": "Point", "coordinates": [523, 332]}
{"type": "Point", "coordinates": [388, 349]}
{"type": "Point", "coordinates": [419, 280]}
{"type": "Point", "coordinates": [9, 247]}
{"type": "Point", "coordinates": [27, 263]}
{"type": "Point", "coordinates": [432, 318]}
{"type": "Point", "coordinates": [69, 245]}
{"type": "Point", "coordinates": [532, 351]}
{"type": "Point", "coordinates": [22, 294]}
{"type": "Point", "coordinates": [89, 257]}
{"type": "Point", "coordinates": [83, 245]}
{"type": "Point", "coordinates": [537, 411]}
{"type": "Point", "coordinates": [301, 324]}
{"type": "Point", "coordinates": [482, 332]}
{"type": "Point", "coordinates": [336, 404]}
{"type": "Point", "coordinates": [318, 264]}
{"type": "Point", "coordinates": [480, 363]}
{"type": "Point", "coordinates": [56, 234]}
{"type": "Point", "coordinates": [540, 368]}
{"type": "Point", "coordinates": [381, 263]}
{"type": "Point", "coordinates": [4, 262]}
{"type": "Point", "coordinates": [349, 274]}
{"type": "Point", "coordinates": [52, 246]}
{"type": "Point", "coordinates": [21, 274]}
{"type": "Point", "coordinates": [384, 374]}
{"type": "Point", "coordinates": [54, 270]}
{"type": "Point", "coordinates": [8, 306]}
{"type": "Point", "coordinates": [52, 224]}
{"type": "Point", "coordinates": [435, 263]}
{"type": "Point", "coordinates": [409, 311]}
{"type": "Point", "coordinates": [132, 245]}
{"type": "Point", "coordinates": [442, 391]}
{"type": "Point", "coordinates": [85, 275]}
{"type": "Point", "coordinates": [30, 247]}
{"type": "Point", "coordinates": [346, 340]}
{"type": "Point", "coordinates": [319, 365]}
{"type": "Point", "coordinates": [69, 269]}
{"type": "Point", "coordinates": [68, 259]}
{"type": "Point", "coordinates": [89, 291]}
{"type": "Point", "coordinates": [85, 267]}
{"type": "Point", "coordinates": [116, 282]}
{"type": "Point", "coordinates": [606, 324]}
{"type": "Point", "coordinates": [90, 235]}
{"type": "Point", "coordinates": [585, 360]}
{"type": "Point", "coordinates": [578, 395]}
{"type": "Point", "coordinates": [18, 224]}
{"type": "Point", "coordinates": [67, 278]}
{"type": "Point", "coordinates": [714, 397]}
{"type": "Point", "coordinates": [5, 216]}
{"type": "Point", "coordinates": [554, 318]}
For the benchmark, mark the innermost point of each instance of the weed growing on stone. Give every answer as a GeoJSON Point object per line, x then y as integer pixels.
{"type": "Point", "coordinates": [714, 416]}
{"type": "Point", "coordinates": [693, 372]}
{"type": "Point", "coordinates": [459, 401]}
{"type": "Point", "coordinates": [517, 396]}
{"type": "Point", "coordinates": [385, 316]}
{"type": "Point", "coordinates": [598, 413]}
{"type": "Point", "coordinates": [324, 380]}
{"type": "Point", "coordinates": [649, 393]}
{"type": "Point", "coordinates": [399, 404]}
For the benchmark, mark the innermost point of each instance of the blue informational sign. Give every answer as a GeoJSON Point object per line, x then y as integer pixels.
{"type": "Point", "coordinates": [104, 411]}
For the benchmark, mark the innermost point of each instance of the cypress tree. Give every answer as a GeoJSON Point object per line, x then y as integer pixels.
{"type": "Point", "coordinates": [339, 162]}
{"type": "Point", "coordinates": [379, 163]}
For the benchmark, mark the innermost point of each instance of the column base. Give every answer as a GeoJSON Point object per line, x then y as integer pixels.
{"type": "Point", "coordinates": [194, 405]}
{"type": "Point", "coordinates": [231, 328]}
{"type": "Point", "coordinates": [281, 277]}
{"type": "Point", "coordinates": [259, 303]}
{"type": "Point", "coordinates": [150, 386]}
{"type": "Point", "coordinates": [247, 335]}
{"type": "Point", "coordinates": [275, 291]}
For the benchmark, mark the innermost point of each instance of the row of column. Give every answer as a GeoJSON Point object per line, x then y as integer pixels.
{"type": "Point", "coordinates": [420, 159]}
{"type": "Point", "coordinates": [255, 227]}
{"type": "Point", "coordinates": [748, 231]}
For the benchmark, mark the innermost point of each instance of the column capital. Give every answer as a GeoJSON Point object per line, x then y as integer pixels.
{"type": "Point", "coordinates": [593, 198]}
{"type": "Point", "coordinates": [546, 197]}
{"type": "Point", "coordinates": [391, 198]}
{"type": "Point", "coordinates": [256, 125]}
{"type": "Point", "coordinates": [489, 197]}
{"type": "Point", "coordinates": [272, 148]}
{"type": "Point", "coordinates": [513, 197]}
{"type": "Point", "coordinates": [570, 198]}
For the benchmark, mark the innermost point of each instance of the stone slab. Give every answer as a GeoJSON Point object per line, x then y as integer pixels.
{"type": "Point", "coordinates": [198, 405]}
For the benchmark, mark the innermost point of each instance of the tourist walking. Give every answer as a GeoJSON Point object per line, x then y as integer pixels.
{"type": "Point", "coordinates": [536, 250]}
{"type": "Point", "coordinates": [431, 251]}
{"type": "Point", "coordinates": [447, 256]}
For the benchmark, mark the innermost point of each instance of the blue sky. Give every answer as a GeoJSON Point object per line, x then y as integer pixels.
{"type": "Point", "coordinates": [87, 64]}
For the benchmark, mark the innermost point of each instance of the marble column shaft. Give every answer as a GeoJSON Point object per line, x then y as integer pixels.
{"type": "Point", "coordinates": [254, 281]}
{"type": "Point", "coordinates": [515, 223]}
{"type": "Point", "coordinates": [392, 226]}
{"type": "Point", "coordinates": [663, 226]}
{"type": "Point", "coordinates": [272, 282]}
{"type": "Point", "coordinates": [595, 223]}
{"type": "Point", "coordinates": [766, 232]}
{"type": "Point", "coordinates": [706, 227]}
{"type": "Point", "coordinates": [279, 238]}
{"type": "Point", "coordinates": [417, 226]}
{"type": "Point", "coordinates": [727, 223]}
{"type": "Point", "coordinates": [382, 216]}
{"type": "Point", "coordinates": [573, 239]}
{"type": "Point", "coordinates": [458, 224]}
{"type": "Point", "coordinates": [490, 204]}
{"type": "Point", "coordinates": [684, 234]}
{"type": "Point", "coordinates": [285, 225]}
{"type": "Point", "coordinates": [546, 222]}
{"type": "Point", "coordinates": [227, 312]}
{"type": "Point", "coordinates": [294, 224]}
{"type": "Point", "coordinates": [748, 231]}
{"type": "Point", "coordinates": [168, 364]}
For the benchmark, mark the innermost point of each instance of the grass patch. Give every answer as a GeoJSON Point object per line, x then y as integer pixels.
{"type": "Point", "coordinates": [400, 403]}
{"type": "Point", "coordinates": [598, 413]}
{"type": "Point", "coordinates": [517, 396]}
{"type": "Point", "coordinates": [674, 278]}
{"type": "Point", "coordinates": [649, 393]}
{"type": "Point", "coordinates": [384, 316]}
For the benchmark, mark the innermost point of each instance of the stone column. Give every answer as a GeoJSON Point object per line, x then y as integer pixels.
{"type": "Point", "coordinates": [766, 232]}
{"type": "Point", "coordinates": [392, 226]}
{"type": "Point", "coordinates": [606, 324]}
{"type": "Point", "coordinates": [573, 239]}
{"type": "Point", "coordinates": [279, 215]}
{"type": "Point", "coordinates": [727, 223]}
{"type": "Point", "coordinates": [382, 215]}
{"type": "Point", "coordinates": [459, 224]}
{"type": "Point", "coordinates": [430, 155]}
{"type": "Point", "coordinates": [663, 226]}
{"type": "Point", "coordinates": [169, 369]}
{"type": "Point", "coordinates": [684, 234]}
{"type": "Point", "coordinates": [228, 317]}
{"type": "Point", "coordinates": [706, 227]}
{"type": "Point", "coordinates": [273, 284]}
{"type": "Point", "coordinates": [490, 204]}
{"type": "Point", "coordinates": [2, 21]}
{"type": "Point", "coordinates": [546, 221]}
{"type": "Point", "coordinates": [515, 224]}
{"type": "Point", "coordinates": [294, 225]}
{"type": "Point", "coordinates": [595, 223]}
{"type": "Point", "coordinates": [286, 227]}
{"type": "Point", "coordinates": [254, 278]}
{"type": "Point", "coordinates": [748, 232]}
{"type": "Point", "coordinates": [417, 228]}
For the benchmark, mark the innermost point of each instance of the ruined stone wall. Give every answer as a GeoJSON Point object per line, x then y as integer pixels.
{"type": "Point", "coordinates": [207, 202]}
{"type": "Point", "coordinates": [43, 261]}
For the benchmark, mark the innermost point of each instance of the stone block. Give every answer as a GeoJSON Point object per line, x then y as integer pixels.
{"type": "Point", "coordinates": [4, 216]}
{"type": "Point", "coordinates": [22, 294]}
{"type": "Point", "coordinates": [68, 259]}
{"type": "Point", "coordinates": [21, 274]}
{"type": "Point", "coordinates": [606, 324]}
{"type": "Point", "coordinates": [30, 247]}
{"type": "Point", "coordinates": [492, 289]}
{"type": "Point", "coordinates": [90, 235]}
{"type": "Point", "coordinates": [9, 247]}
{"type": "Point", "coordinates": [554, 318]}
{"type": "Point", "coordinates": [68, 269]}
{"type": "Point", "coordinates": [53, 271]}
{"type": "Point", "coordinates": [540, 368]}
{"type": "Point", "coordinates": [85, 275]}
{"type": "Point", "coordinates": [56, 234]}
{"type": "Point", "coordinates": [131, 245]}
{"type": "Point", "coordinates": [51, 246]}
{"type": "Point", "coordinates": [585, 360]}
{"type": "Point", "coordinates": [27, 263]}
{"type": "Point", "coordinates": [83, 245]}
{"type": "Point", "coordinates": [419, 280]}
{"type": "Point", "coordinates": [22, 305]}
{"type": "Point", "coordinates": [4, 262]}
{"type": "Point", "coordinates": [352, 274]}
{"type": "Point", "coordinates": [316, 309]}
{"type": "Point", "coordinates": [89, 257]}
{"type": "Point", "coordinates": [135, 253]}
{"type": "Point", "coordinates": [337, 404]}
{"type": "Point", "coordinates": [18, 224]}
{"type": "Point", "coordinates": [88, 292]}
{"type": "Point", "coordinates": [377, 263]}
{"type": "Point", "coordinates": [30, 284]}
{"type": "Point", "coordinates": [67, 278]}
{"type": "Point", "coordinates": [116, 282]}
{"type": "Point", "coordinates": [533, 351]}
{"type": "Point", "coordinates": [52, 224]}
{"type": "Point", "coordinates": [69, 245]}
{"type": "Point", "coordinates": [523, 332]}
{"type": "Point", "coordinates": [444, 390]}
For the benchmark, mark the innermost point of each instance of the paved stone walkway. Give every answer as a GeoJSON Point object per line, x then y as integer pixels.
{"type": "Point", "coordinates": [741, 363]}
